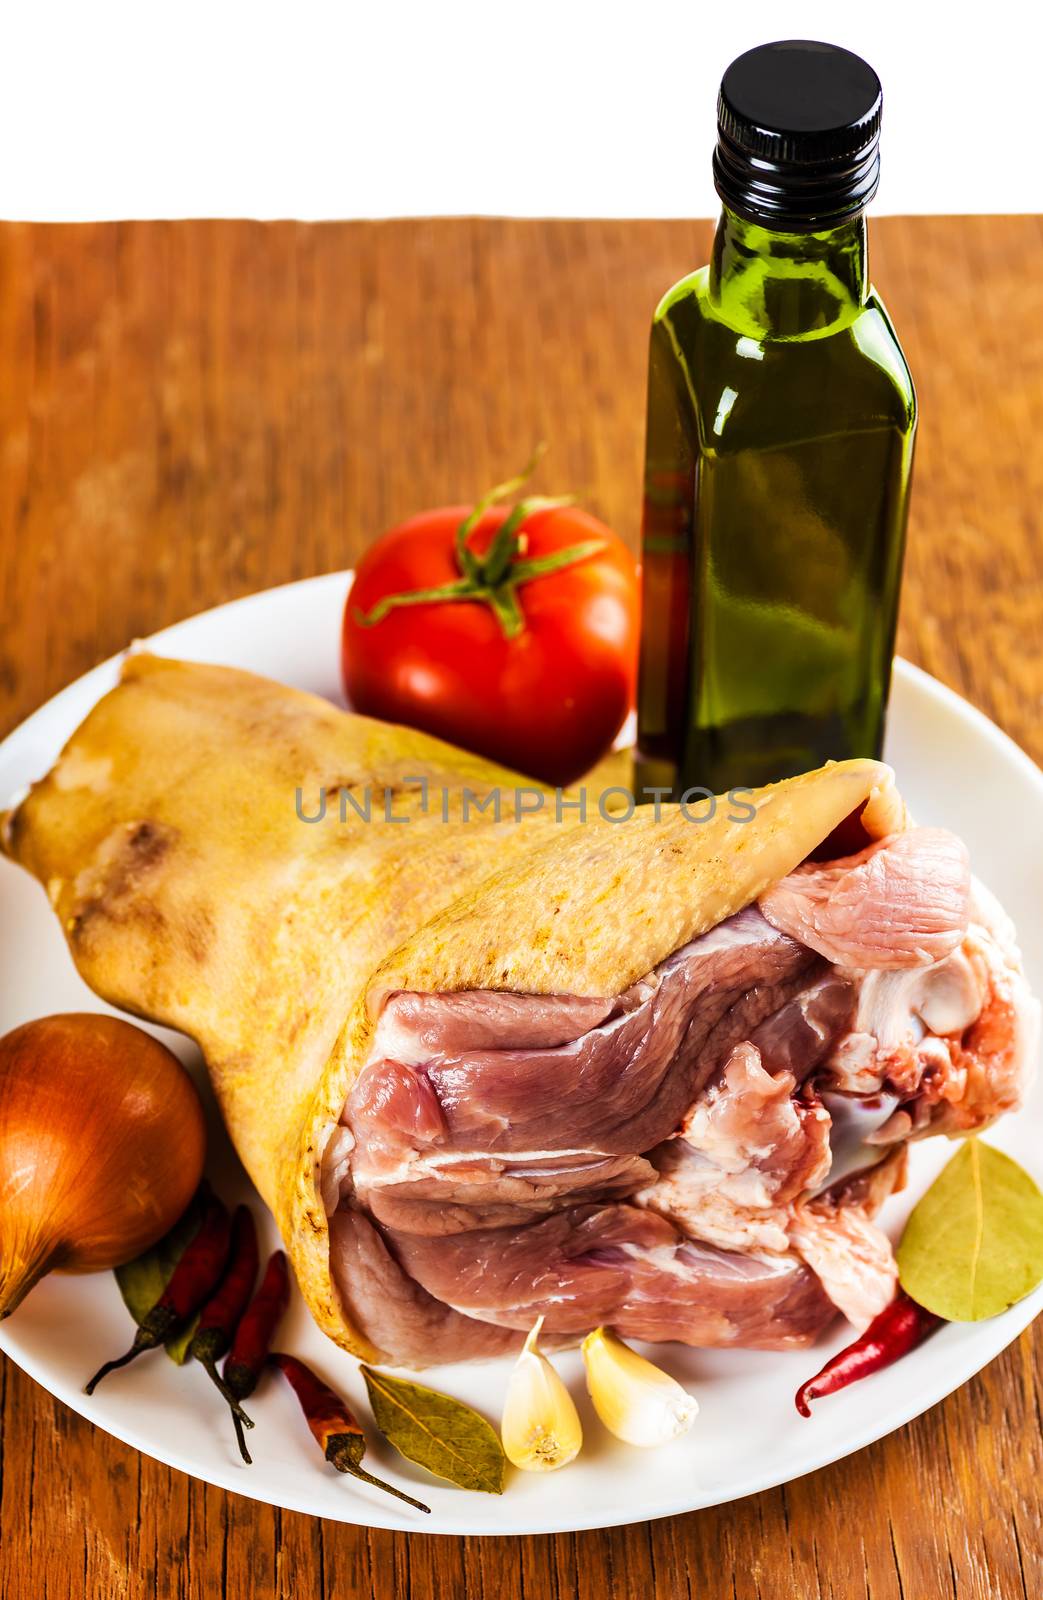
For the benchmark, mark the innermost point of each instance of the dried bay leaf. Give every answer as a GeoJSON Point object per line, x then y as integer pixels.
{"type": "Point", "coordinates": [437, 1432]}
{"type": "Point", "coordinates": [973, 1246]}
{"type": "Point", "coordinates": [142, 1281]}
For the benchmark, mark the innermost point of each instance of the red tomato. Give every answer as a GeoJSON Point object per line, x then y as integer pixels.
{"type": "Point", "coordinates": [548, 701]}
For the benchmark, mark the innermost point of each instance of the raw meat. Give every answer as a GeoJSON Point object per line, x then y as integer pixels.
{"type": "Point", "coordinates": [699, 1158]}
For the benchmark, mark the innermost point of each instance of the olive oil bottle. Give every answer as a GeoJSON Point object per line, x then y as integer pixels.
{"type": "Point", "coordinates": [781, 417]}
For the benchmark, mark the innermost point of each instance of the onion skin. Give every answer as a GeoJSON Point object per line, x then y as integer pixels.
{"type": "Point", "coordinates": [102, 1141]}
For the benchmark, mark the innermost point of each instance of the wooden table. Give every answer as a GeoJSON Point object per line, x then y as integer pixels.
{"type": "Point", "coordinates": [192, 411]}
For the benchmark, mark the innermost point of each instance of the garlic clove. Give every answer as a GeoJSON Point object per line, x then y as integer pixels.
{"type": "Point", "coordinates": [541, 1429]}
{"type": "Point", "coordinates": [636, 1400]}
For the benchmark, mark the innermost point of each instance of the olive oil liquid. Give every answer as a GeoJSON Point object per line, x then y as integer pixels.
{"type": "Point", "coordinates": [781, 418]}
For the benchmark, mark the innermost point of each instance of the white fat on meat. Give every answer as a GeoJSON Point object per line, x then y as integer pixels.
{"type": "Point", "coordinates": [335, 1168]}
{"type": "Point", "coordinates": [957, 1041]}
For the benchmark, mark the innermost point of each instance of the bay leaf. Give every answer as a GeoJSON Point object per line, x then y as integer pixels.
{"type": "Point", "coordinates": [178, 1343]}
{"type": "Point", "coordinates": [973, 1245]}
{"type": "Point", "coordinates": [437, 1432]}
{"type": "Point", "coordinates": [142, 1281]}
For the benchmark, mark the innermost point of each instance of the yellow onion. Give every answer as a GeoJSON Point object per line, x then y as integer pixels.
{"type": "Point", "coordinates": [635, 1399]}
{"type": "Point", "coordinates": [102, 1142]}
{"type": "Point", "coordinates": [541, 1428]}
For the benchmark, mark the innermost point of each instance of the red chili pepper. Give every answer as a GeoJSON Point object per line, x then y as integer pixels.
{"type": "Point", "coordinates": [192, 1281]}
{"type": "Point", "coordinates": [899, 1328]}
{"type": "Point", "coordinates": [253, 1338]}
{"type": "Point", "coordinates": [335, 1429]}
{"type": "Point", "coordinates": [221, 1314]}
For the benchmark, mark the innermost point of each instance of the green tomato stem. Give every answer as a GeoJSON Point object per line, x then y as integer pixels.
{"type": "Point", "coordinates": [500, 491]}
{"type": "Point", "coordinates": [462, 589]}
{"type": "Point", "coordinates": [493, 579]}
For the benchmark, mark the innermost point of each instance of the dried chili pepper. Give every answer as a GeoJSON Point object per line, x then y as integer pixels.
{"type": "Point", "coordinates": [192, 1281]}
{"type": "Point", "coordinates": [252, 1340]}
{"type": "Point", "coordinates": [222, 1313]}
{"type": "Point", "coordinates": [899, 1328]}
{"type": "Point", "coordinates": [335, 1429]}
{"type": "Point", "coordinates": [253, 1337]}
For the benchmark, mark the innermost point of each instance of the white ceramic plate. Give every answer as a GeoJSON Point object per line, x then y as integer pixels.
{"type": "Point", "coordinates": [954, 768]}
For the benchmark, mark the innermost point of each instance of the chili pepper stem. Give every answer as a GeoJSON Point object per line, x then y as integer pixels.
{"type": "Point", "coordinates": [240, 1379]}
{"type": "Point", "coordinates": [241, 1440]}
{"type": "Point", "coordinates": [339, 1453]}
{"type": "Point", "coordinates": [143, 1340]}
{"type": "Point", "coordinates": [207, 1364]}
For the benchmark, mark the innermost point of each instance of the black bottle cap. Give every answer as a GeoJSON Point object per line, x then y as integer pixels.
{"type": "Point", "coordinates": [798, 135]}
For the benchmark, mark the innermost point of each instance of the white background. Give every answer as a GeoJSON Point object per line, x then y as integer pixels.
{"type": "Point", "coordinates": [527, 107]}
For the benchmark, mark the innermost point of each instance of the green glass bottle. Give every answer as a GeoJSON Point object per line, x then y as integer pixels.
{"type": "Point", "coordinates": [781, 418]}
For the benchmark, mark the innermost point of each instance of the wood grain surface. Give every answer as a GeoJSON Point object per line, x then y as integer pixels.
{"type": "Point", "coordinates": [192, 411]}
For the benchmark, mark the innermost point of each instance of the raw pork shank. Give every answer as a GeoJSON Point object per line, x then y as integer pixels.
{"type": "Point", "coordinates": [700, 1158]}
